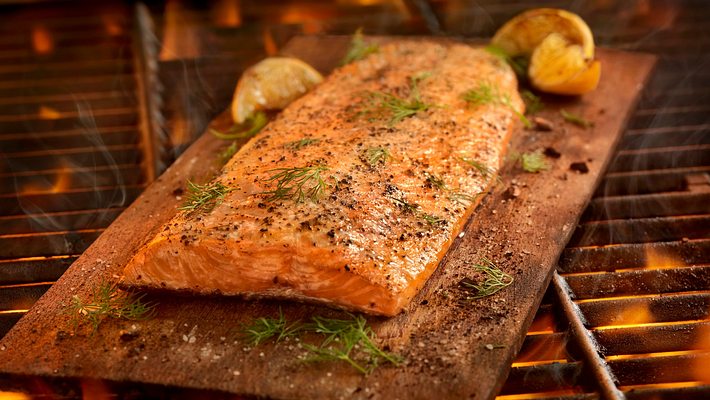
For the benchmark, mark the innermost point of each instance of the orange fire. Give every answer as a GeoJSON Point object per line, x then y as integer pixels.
{"type": "Point", "coordinates": [113, 27]}
{"type": "Point", "coordinates": [46, 112]}
{"type": "Point", "coordinates": [656, 259]}
{"type": "Point", "coordinates": [14, 396]}
{"type": "Point", "coordinates": [95, 390]}
{"type": "Point", "coordinates": [181, 38]}
{"type": "Point", "coordinates": [270, 46]}
{"type": "Point", "coordinates": [42, 42]}
{"type": "Point", "coordinates": [61, 183]}
{"type": "Point", "coordinates": [545, 350]}
{"type": "Point", "coordinates": [227, 13]}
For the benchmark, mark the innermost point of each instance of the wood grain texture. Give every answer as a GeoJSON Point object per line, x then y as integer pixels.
{"type": "Point", "coordinates": [523, 225]}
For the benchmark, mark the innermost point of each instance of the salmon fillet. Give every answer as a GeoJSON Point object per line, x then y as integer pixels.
{"type": "Point", "coordinates": [341, 201]}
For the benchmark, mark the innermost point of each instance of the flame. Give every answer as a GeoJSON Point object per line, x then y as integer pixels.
{"type": "Point", "coordinates": [540, 395]}
{"type": "Point", "coordinates": [93, 389]}
{"type": "Point", "coordinates": [14, 396]}
{"type": "Point", "coordinates": [41, 40]}
{"type": "Point", "coordinates": [633, 315]}
{"type": "Point", "coordinates": [227, 13]}
{"type": "Point", "coordinates": [112, 25]}
{"type": "Point", "coordinates": [543, 323]}
{"type": "Point", "coordinates": [181, 38]}
{"type": "Point", "coordinates": [308, 17]}
{"type": "Point", "coordinates": [548, 349]}
{"type": "Point", "coordinates": [46, 112]}
{"type": "Point", "coordinates": [62, 182]}
{"type": "Point", "coordinates": [656, 259]}
{"type": "Point", "coordinates": [700, 367]}
{"type": "Point", "coordinates": [269, 43]}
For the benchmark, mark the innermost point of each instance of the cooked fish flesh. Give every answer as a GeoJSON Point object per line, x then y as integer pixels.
{"type": "Point", "coordinates": [354, 193]}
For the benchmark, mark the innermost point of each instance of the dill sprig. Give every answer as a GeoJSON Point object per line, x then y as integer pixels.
{"type": "Point", "coordinates": [350, 341]}
{"type": "Point", "coordinates": [487, 93]}
{"type": "Point", "coordinates": [575, 119]}
{"type": "Point", "coordinates": [395, 108]}
{"type": "Point", "coordinates": [251, 127]}
{"type": "Point", "coordinates": [534, 161]}
{"type": "Point", "coordinates": [435, 181]}
{"type": "Point", "coordinates": [431, 219]}
{"type": "Point", "coordinates": [205, 197]}
{"type": "Point", "coordinates": [405, 206]}
{"type": "Point", "coordinates": [226, 154]}
{"type": "Point", "coordinates": [414, 208]}
{"type": "Point", "coordinates": [358, 48]}
{"type": "Point", "coordinates": [482, 169]}
{"type": "Point", "coordinates": [301, 143]}
{"type": "Point", "coordinates": [297, 183]}
{"type": "Point", "coordinates": [495, 280]}
{"type": "Point", "coordinates": [377, 155]}
{"type": "Point", "coordinates": [107, 301]}
{"type": "Point", "coordinates": [263, 329]}
{"type": "Point", "coordinates": [462, 197]}
{"type": "Point", "coordinates": [533, 102]}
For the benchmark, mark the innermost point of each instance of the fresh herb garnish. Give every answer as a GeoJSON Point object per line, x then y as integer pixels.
{"type": "Point", "coordinates": [263, 329]}
{"type": "Point", "coordinates": [347, 340]}
{"type": "Point", "coordinates": [226, 154]}
{"type": "Point", "coordinates": [519, 64]}
{"type": "Point", "coordinates": [533, 103]}
{"type": "Point", "coordinates": [495, 280]}
{"type": "Point", "coordinates": [405, 206]}
{"type": "Point", "coordinates": [462, 197]}
{"type": "Point", "coordinates": [393, 107]}
{"type": "Point", "coordinates": [359, 49]}
{"type": "Point", "coordinates": [299, 144]}
{"type": "Point", "coordinates": [431, 219]}
{"type": "Point", "coordinates": [534, 161]}
{"type": "Point", "coordinates": [575, 119]}
{"type": "Point", "coordinates": [485, 171]}
{"type": "Point", "coordinates": [297, 183]}
{"type": "Point", "coordinates": [377, 155]}
{"type": "Point", "coordinates": [350, 341]}
{"type": "Point", "coordinates": [106, 300]}
{"type": "Point", "coordinates": [413, 208]}
{"type": "Point", "coordinates": [486, 93]}
{"type": "Point", "coordinates": [435, 181]}
{"type": "Point", "coordinates": [251, 127]}
{"type": "Point", "coordinates": [205, 197]}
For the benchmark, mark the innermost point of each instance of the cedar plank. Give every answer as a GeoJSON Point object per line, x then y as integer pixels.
{"type": "Point", "coordinates": [443, 338]}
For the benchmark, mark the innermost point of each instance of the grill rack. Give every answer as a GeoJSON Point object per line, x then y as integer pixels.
{"type": "Point", "coordinates": [653, 197]}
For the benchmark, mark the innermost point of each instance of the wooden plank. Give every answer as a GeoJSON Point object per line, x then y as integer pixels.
{"type": "Point", "coordinates": [193, 341]}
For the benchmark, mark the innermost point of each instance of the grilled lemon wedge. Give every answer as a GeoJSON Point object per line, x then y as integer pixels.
{"type": "Point", "coordinates": [560, 48]}
{"type": "Point", "coordinates": [272, 84]}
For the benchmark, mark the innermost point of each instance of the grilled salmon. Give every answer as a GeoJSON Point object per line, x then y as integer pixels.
{"type": "Point", "coordinates": [354, 193]}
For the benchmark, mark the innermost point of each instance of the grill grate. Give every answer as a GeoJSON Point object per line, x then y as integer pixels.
{"type": "Point", "coordinates": [637, 265]}
{"type": "Point", "coordinates": [70, 147]}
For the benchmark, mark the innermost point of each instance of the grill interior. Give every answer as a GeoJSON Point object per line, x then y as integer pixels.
{"type": "Point", "coordinates": [629, 311]}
